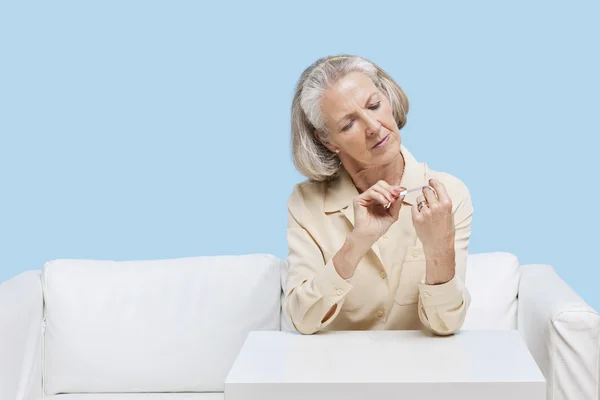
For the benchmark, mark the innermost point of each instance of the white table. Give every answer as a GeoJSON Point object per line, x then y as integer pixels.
{"type": "Point", "coordinates": [382, 365]}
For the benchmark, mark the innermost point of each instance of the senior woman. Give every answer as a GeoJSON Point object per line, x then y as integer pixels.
{"type": "Point", "coordinates": [363, 253]}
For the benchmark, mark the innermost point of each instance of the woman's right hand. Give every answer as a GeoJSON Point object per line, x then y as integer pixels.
{"type": "Point", "coordinates": [371, 220]}
{"type": "Point", "coordinates": [371, 217]}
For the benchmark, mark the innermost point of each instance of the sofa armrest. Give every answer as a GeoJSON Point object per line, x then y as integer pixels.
{"type": "Point", "coordinates": [21, 312]}
{"type": "Point", "coordinates": [562, 333]}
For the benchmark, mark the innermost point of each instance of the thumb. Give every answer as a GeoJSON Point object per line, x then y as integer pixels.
{"type": "Point", "coordinates": [394, 209]}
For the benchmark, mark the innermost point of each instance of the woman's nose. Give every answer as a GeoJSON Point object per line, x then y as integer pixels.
{"type": "Point", "coordinates": [373, 125]}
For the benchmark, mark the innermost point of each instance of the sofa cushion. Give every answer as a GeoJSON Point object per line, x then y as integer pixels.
{"type": "Point", "coordinates": [493, 282]}
{"type": "Point", "coordinates": [153, 326]}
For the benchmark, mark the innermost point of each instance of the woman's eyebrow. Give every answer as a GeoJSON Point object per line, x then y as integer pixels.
{"type": "Point", "coordinates": [370, 98]}
{"type": "Point", "coordinates": [350, 114]}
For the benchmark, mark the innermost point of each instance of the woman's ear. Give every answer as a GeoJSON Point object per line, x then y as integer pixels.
{"type": "Point", "coordinates": [325, 143]}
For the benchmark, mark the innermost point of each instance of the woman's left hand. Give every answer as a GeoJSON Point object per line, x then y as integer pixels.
{"type": "Point", "coordinates": [434, 225]}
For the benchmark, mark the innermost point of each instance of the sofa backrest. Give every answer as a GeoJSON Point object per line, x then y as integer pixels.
{"type": "Point", "coordinates": [153, 326]}
{"type": "Point", "coordinates": [177, 325]}
{"type": "Point", "coordinates": [493, 282]}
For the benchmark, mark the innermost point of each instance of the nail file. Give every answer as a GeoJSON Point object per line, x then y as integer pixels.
{"type": "Point", "coordinates": [405, 192]}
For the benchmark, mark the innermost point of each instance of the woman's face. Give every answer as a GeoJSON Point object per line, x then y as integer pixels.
{"type": "Point", "coordinates": [360, 122]}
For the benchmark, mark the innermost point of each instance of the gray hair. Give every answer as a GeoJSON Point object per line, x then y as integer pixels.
{"type": "Point", "coordinates": [311, 158]}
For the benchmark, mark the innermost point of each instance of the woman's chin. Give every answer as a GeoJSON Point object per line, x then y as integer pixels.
{"type": "Point", "coordinates": [391, 152]}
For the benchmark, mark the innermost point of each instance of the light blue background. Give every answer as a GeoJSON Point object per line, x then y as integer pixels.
{"type": "Point", "coordinates": [144, 129]}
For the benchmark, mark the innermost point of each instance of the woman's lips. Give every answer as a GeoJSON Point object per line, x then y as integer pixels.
{"type": "Point", "coordinates": [382, 142]}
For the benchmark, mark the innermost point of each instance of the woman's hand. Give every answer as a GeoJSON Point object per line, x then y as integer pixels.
{"type": "Point", "coordinates": [434, 224]}
{"type": "Point", "coordinates": [371, 216]}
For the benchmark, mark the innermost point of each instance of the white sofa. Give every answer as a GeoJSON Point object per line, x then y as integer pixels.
{"type": "Point", "coordinates": [171, 329]}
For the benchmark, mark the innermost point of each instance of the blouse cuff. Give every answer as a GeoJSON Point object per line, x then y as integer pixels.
{"type": "Point", "coordinates": [331, 284]}
{"type": "Point", "coordinates": [450, 292]}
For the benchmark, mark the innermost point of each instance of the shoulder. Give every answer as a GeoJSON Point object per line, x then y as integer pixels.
{"type": "Point", "coordinates": [307, 197]}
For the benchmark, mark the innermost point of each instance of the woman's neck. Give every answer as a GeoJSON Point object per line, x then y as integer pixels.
{"type": "Point", "coordinates": [366, 177]}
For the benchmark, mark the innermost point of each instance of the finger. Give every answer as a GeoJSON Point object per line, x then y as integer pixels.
{"type": "Point", "coordinates": [421, 199]}
{"type": "Point", "coordinates": [385, 192]}
{"type": "Point", "coordinates": [394, 209]}
{"type": "Point", "coordinates": [394, 190]}
{"type": "Point", "coordinates": [384, 184]}
{"type": "Point", "coordinates": [372, 196]}
{"type": "Point", "coordinates": [440, 189]}
{"type": "Point", "coordinates": [430, 196]}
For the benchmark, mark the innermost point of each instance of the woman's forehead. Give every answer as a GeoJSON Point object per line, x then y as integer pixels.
{"type": "Point", "coordinates": [348, 92]}
{"type": "Point", "coordinates": [353, 84]}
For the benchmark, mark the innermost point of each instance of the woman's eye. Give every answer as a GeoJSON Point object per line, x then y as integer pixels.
{"type": "Point", "coordinates": [347, 126]}
{"type": "Point", "coordinates": [375, 106]}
